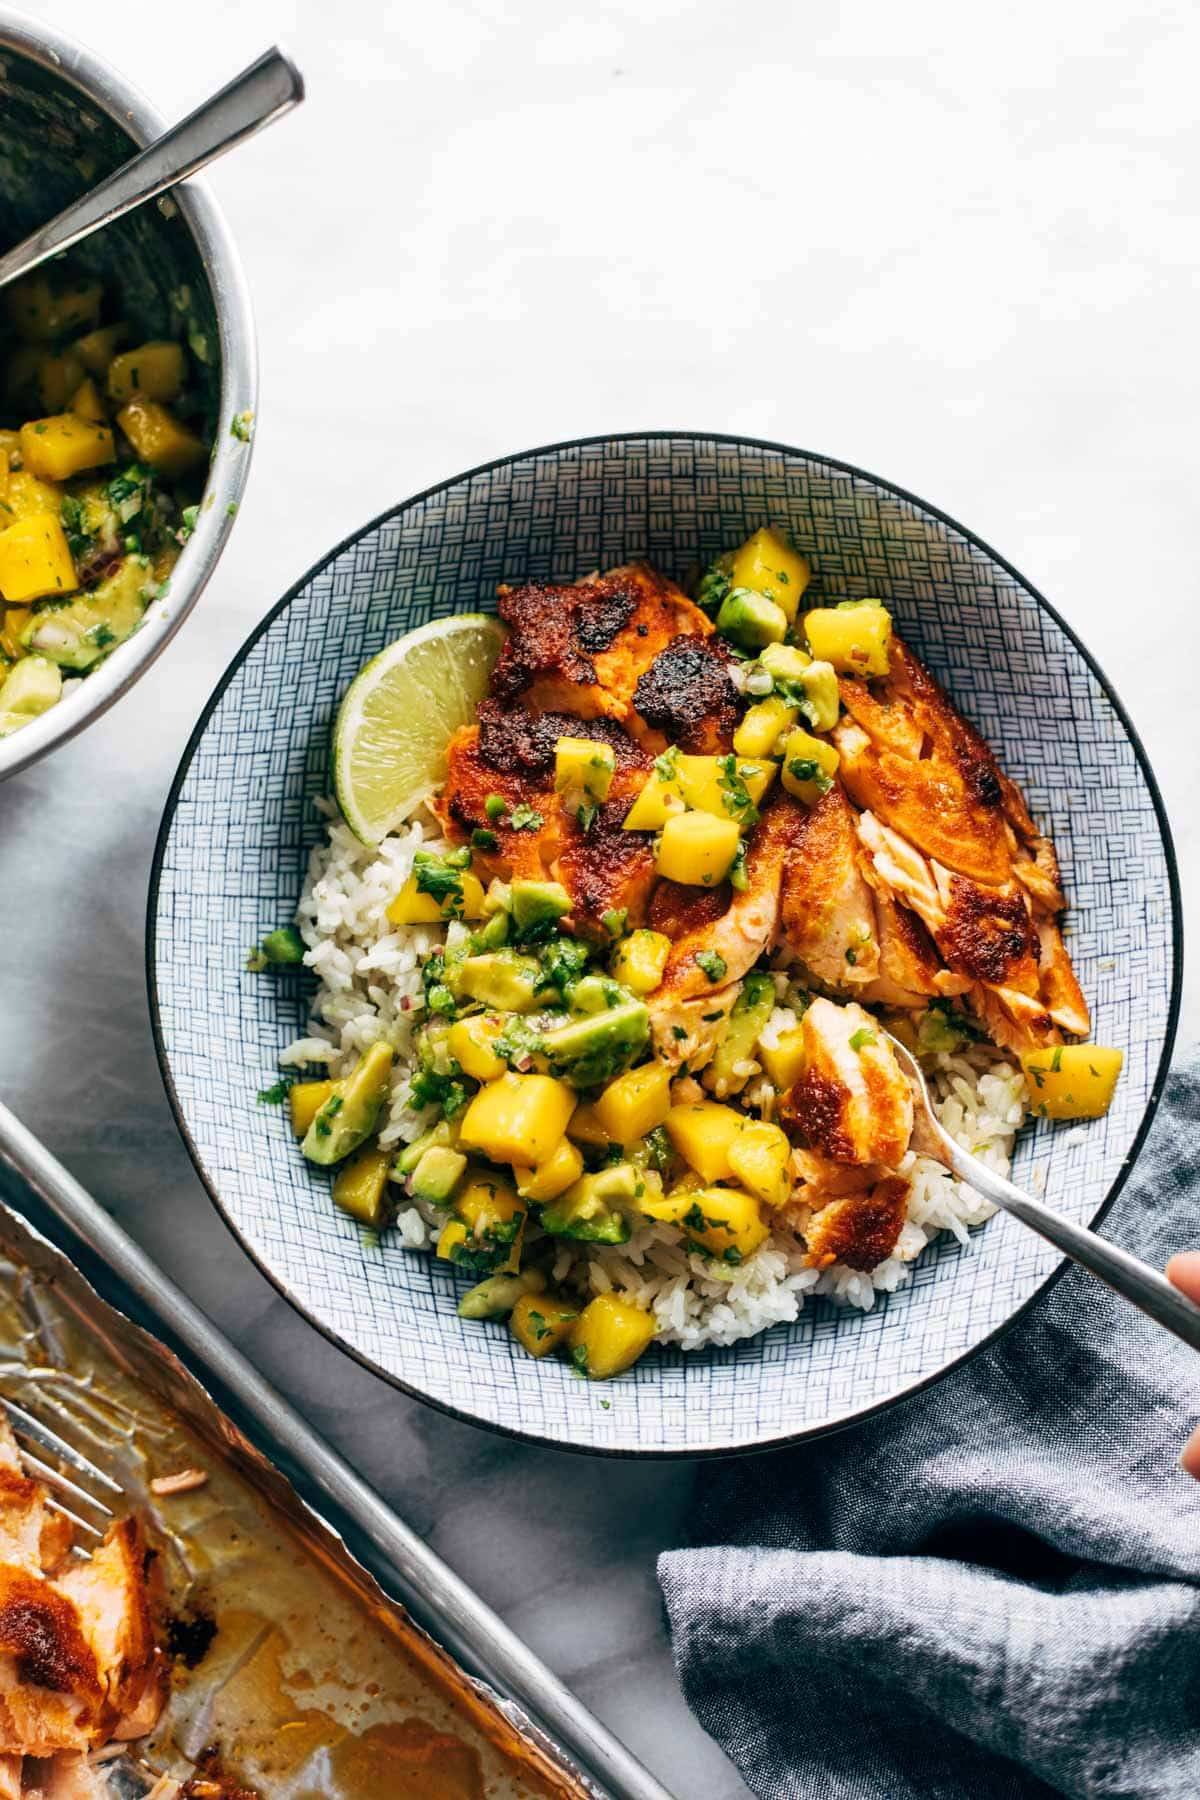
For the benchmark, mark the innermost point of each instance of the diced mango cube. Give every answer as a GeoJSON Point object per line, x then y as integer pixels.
{"type": "Point", "coordinates": [697, 849]}
{"type": "Point", "coordinates": [655, 804]}
{"type": "Point", "coordinates": [784, 1059]}
{"type": "Point", "coordinates": [470, 1041]}
{"type": "Point", "coordinates": [34, 559]}
{"type": "Point", "coordinates": [87, 403]}
{"type": "Point", "coordinates": [609, 1335]}
{"type": "Point", "coordinates": [412, 907]}
{"type": "Point", "coordinates": [54, 449]}
{"type": "Point", "coordinates": [585, 1127]}
{"type": "Point", "coordinates": [763, 725]}
{"type": "Point", "coordinates": [639, 960]}
{"type": "Point", "coordinates": [635, 1102]}
{"type": "Point", "coordinates": [494, 1218]}
{"type": "Point", "coordinates": [759, 1157]}
{"type": "Point", "coordinates": [51, 303]}
{"type": "Point", "coordinates": [518, 1118]}
{"type": "Point", "coordinates": [160, 439]}
{"type": "Point", "coordinates": [360, 1186]}
{"type": "Point", "coordinates": [154, 371]}
{"type": "Point", "coordinates": [711, 785]}
{"type": "Point", "coordinates": [725, 1222]}
{"type": "Point", "coordinates": [97, 348]}
{"type": "Point", "coordinates": [27, 495]}
{"type": "Point", "coordinates": [702, 1134]}
{"type": "Point", "coordinates": [584, 767]}
{"type": "Point", "coordinates": [1071, 1081]}
{"type": "Point", "coordinates": [58, 376]}
{"type": "Point", "coordinates": [561, 1169]}
{"type": "Point", "coordinates": [541, 1322]}
{"type": "Point", "coordinates": [453, 1237]}
{"type": "Point", "coordinates": [305, 1100]}
{"type": "Point", "coordinates": [809, 766]}
{"type": "Point", "coordinates": [855, 636]}
{"type": "Point", "coordinates": [768, 564]}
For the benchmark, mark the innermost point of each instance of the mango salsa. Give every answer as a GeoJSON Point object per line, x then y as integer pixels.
{"type": "Point", "coordinates": [305, 1100]}
{"type": "Point", "coordinates": [702, 1134]}
{"type": "Point", "coordinates": [561, 1169]}
{"type": "Point", "coordinates": [518, 1119]}
{"type": "Point", "coordinates": [809, 765]}
{"type": "Point", "coordinates": [35, 560]}
{"type": "Point", "coordinates": [640, 959]}
{"type": "Point", "coordinates": [759, 1157]}
{"type": "Point", "coordinates": [1072, 1081]}
{"type": "Point", "coordinates": [855, 636]}
{"type": "Point", "coordinates": [763, 725]}
{"type": "Point", "coordinates": [609, 1335]}
{"type": "Point", "coordinates": [784, 1059]}
{"type": "Point", "coordinates": [160, 439]}
{"type": "Point", "coordinates": [541, 1322]}
{"type": "Point", "coordinates": [768, 564]}
{"type": "Point", "coordinates": [470, 1041]}
{"type": "Point", "coordinates": [635, 1103]}
{"type": "Point", "coordinates": [154, 371]}
{"type": "Point", "coordinates": [723, 785]}
{"type": "Point", "coordinates": [697, 849]}
{"type": "Point", "coordinates": [55, 449]}
{"type": "Point", "coordinates": [658, 800]}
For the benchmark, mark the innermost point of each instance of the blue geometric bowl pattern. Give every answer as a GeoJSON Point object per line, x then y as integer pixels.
{"type": "Point", "coordinates": [240, 823]}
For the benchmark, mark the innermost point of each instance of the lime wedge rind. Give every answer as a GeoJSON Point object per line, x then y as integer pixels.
{"type": "Point", "coordinates": [398, 714]}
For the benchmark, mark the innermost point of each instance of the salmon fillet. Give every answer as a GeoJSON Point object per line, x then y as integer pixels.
{"type": "Point", "coordinates": [851, 1104]}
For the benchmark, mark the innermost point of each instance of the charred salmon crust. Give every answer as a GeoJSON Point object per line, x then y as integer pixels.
{"type": "Point", "coordinates": [687, 693]}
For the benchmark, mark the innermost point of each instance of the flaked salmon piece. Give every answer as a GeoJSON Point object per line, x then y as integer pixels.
{"type": "Point", "coordinates": [987, 933]}
{"type": "Point", "coordinates": [1035, 866]}
{"type": "Point", "coordinates": [110, 1597]}
{"type": "Point", "coordinates": [51, 1696]}
{"type": "Point", "coordinates": [71, 1777]}
{"type": "Point", "coordinates": [947, 799]}
{"type": "Point", "coordinates": [583, 648]}
{"type": "Point", "coordinates": [737, 925]}
{"type": "Point", "coordinates": [903, 870]}
{"type": "Point", "coordinates": [827, 917]}
{"type": "Point", "coordinates": [822, 1179]}
{"type": "Point", "coordinates": [1059, 986]}
{"type": "Point", "coordinates": [911, 970]}
{"type": "Point", "coordinates": [23, 1515]}
{"type": "Point", "coordinates": [851, 1104]}
{"type": "Point", "coordinates": [860, 1230]}
{"type": "Point", "coordinates": [688, 1031]}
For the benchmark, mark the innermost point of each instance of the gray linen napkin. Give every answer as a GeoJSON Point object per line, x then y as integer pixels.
{"type": "Point", "coordinates": [992, 1591]}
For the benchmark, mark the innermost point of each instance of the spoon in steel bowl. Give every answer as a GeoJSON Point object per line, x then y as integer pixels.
{"type": "Point", "coordinates": [1136, 1280]}
{"type": "Point", "coordinates": [262, 93]}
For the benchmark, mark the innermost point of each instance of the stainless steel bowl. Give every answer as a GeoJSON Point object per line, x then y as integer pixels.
{"type": "Point", "coordinates": [67, 118]}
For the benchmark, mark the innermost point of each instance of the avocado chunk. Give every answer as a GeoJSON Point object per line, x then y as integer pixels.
{"type": "Point", "coordinates": [31, 687]}
{"type": "Point", "coordinates": [537, 903]}
{"type": "Point", "coordinates": [821, 700]}
{"type": "Point", "coordinates": [751, 620]}
{"type": "Point", "coordinates": [591, 1210]}
{"type": "Point", "coordinates": [596, 1046]}
{"type": "Point", "coordinates": [503, 979]}
{"type": "Point", "coordinates": [350, 1114]}
{"type": "Point", "coordinates": [437, 1175]}
{"type": "Point", "coordinates": [785, 662]}
{"type": "Point", "coordinates": [596, 993]}
{"type": "Point", "coordinates": [443, 1133]}
{"type": "Point", "coordinates": [491, 936]}
{"type": "Point", "coordinates": [752, 1009]}
{"type": "Point", "coordinates": [78, 634]}
{"type": "Point", "coordinates": [283, 948]}
{"type": "Point", "coordinates": [495, 1296]}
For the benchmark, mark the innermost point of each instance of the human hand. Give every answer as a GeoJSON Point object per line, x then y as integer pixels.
{"type": "Point", "coordinates": [1184, 1272]}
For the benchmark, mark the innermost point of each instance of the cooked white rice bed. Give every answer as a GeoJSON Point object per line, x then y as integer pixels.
{"type": "Point", "coordinates": [370, 978]}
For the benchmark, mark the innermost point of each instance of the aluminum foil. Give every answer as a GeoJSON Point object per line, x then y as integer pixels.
{"type": "Point", "coordinates": [315, 1684]}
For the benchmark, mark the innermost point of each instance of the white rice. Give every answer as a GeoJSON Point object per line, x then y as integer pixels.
{"type": "Point", "coordinates": [370, 988]}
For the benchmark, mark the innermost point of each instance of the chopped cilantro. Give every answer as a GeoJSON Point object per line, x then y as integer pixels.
{"type": "Point", "coordinates": [525, 818]}
{"type": "Point", "coordinates": [615, 920]}
{"type": "Point", "coordinates": [483, 839]}
{"type": "Point", "coordinates": [241, 426]}
{"type": "Point", "coordinates": [429, 1088]}
{"type": "Point", "coordinates": [737, 876]}
{"type": "Point", "coordinates": [587, 814]}
{"type": "Point", "coordinates": [563, 961]}
{"type": "Point", "coordinates": [323, 1123]}
{"type": "Point", "coordinates": [852, 957]}
{"type": "Point", "coordinates": [860, 1038]}
{"type": "Point", "coordinates": [495, 806]}
{"type": "Point", "coordinates": [732, 1254]}
{"type": "Point", "coordinates": [678, 1033]}
{"type": "Point", "coordinates": [735, 795]}
{"type": "Point", "coordinates": [712, 963]}
{"type": "Point", "coordinates": [539, 1326]}
{"type": "Point", "coordinates": [579, 1358]}
{"type": "Point", "coordinates": [666, 766]}
{"type": "Point", "coordinates": [273, 1096]}
{"type": "Point", "coordinates": [1056, 1061]}
{"type": "Point", "coordinates": [436, 876]}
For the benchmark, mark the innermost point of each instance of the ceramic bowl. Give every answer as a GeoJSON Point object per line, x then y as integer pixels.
{"type": "Point", "coordinates": [66, 120]}
{"type": "Point", "coordinates": [241, 821]}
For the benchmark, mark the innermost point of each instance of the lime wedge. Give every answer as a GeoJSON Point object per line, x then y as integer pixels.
{"type": "Point", "coordinates": [396, 718]}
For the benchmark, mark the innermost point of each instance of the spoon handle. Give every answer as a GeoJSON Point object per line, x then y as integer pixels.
{"type": "Point", "coordinates": [263, 92]}
{"type": "Point", "coordinates": [1136, 1280]}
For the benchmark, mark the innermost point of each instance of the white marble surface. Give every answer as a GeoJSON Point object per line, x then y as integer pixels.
{"type": "Point", "coordinates": [955, 248]}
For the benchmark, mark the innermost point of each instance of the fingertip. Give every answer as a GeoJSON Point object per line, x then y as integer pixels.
{"type": "Point", "coordinates": [1189, 1462]}
{"type": "Point", "coordinates": [1183, 1271]}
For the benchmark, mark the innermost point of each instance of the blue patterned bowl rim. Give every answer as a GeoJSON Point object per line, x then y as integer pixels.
{"type": "Point", "coordinates": [734, 442]}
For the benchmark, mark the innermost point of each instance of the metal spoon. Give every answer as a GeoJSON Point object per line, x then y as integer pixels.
{"type": "Point", "coordinates": [265, 91]}
{"type": "Point", "coordinates": [1137, 1281]}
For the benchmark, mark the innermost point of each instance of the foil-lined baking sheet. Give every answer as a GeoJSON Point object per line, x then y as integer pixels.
{"type": "Point", "coordinates": [307, 1680]}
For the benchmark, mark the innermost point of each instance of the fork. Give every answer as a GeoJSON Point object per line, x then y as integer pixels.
{"type": "Point", "coordinates": [1135, 1280]}
{"type": "Point", "coordinates": [86, 1494]}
